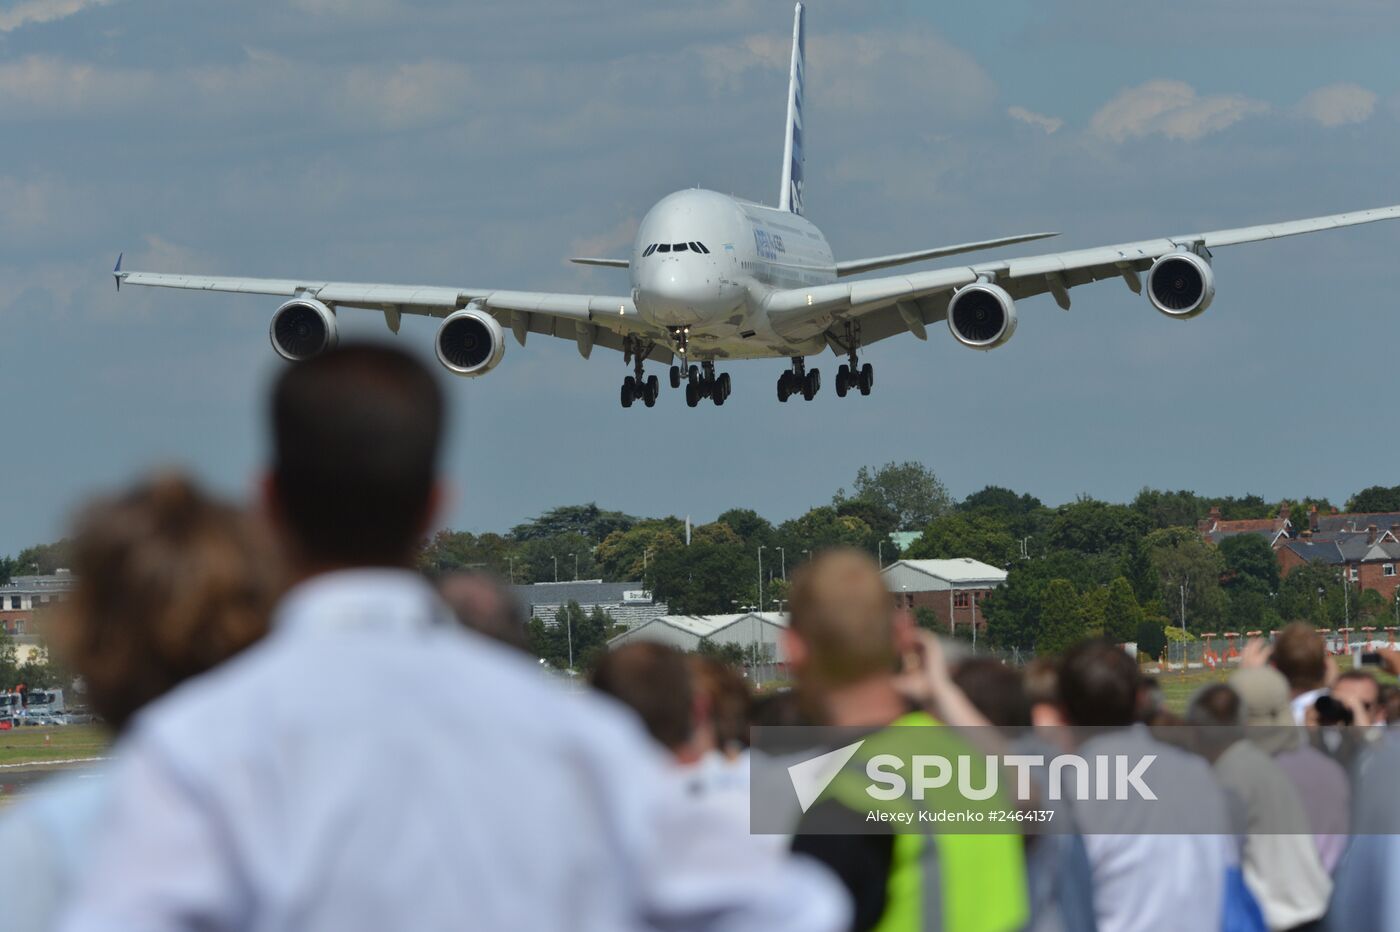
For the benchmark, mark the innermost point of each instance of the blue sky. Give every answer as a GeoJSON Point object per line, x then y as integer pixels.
{"type": "Point", "coordinates": [481, 144]}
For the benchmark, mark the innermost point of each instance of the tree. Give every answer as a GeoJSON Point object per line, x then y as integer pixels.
{"type": "Point", "coordinates": [1376, 498]}
{"type": "Point", "coordinates": [9, 661]}
{"type": "Point", "coordinates": [588, 521]}
{"type": "Point", "coordinates": [956, 535]}
{"type": "Point", "coordinates": [551, 559]}
{"type": "Point", "coordinates": [631, 554]}
{"type": "Point", "coordinates": [1061, 624]}
{"type": "Point", "coordinates": [1093, 610]}
{"type": "Point", "coordinates": [1188, 567]}
{"type": "Point", "coordinates": [586, 632]}
{"type": "Point", "coordinates": [1312, 593]}
{"type": "Point", "coordinates": [881, 519]}
{"type": "Point", "coordinates": [1151, 637]}
{"type": "Point", "coordinates": [1094, 527]}
{"type": "Point", "coordinates": [823, 528]}
{"type": "Point", "coordinates": [451, 550]}
{"type": "Point", "coordinates": [1022, 515]}
{"type": "Point", "coordinates": [910, 490]}
{"type": "Point", "coordinates": [1013, 609]}
{"type": "Point", "coordinates": [1170, 509]}
{"type": "Point", "coordinates": [44, 559]}
{"type": "Point", "coordinates": [706, 578]}
{"type": "Point", "coordinates": [9, 566]}
{"type": "Point", "coordinates": [751, 527]}
{"type": "Point", "coordinates": [1249, 559]}
{"type": "Point", "coordinates": [1122, 615]}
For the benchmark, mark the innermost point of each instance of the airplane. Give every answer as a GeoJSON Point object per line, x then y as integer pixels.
{"type": "Point", "coordinates": [716, 278]}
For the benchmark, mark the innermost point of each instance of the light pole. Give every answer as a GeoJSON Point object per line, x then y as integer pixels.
{"type": "Point", "coordinates": [556, 569]}
{"type": "Point", "coordinates": [569, 623]}
{"type": "Point", "coordinates": [761, 548]}
{"type": "Point", "coordinates": [645, 553]}
{"type": "Point", "coordinates": [880, 549]}
{"type": "Point", "coordinates": [782, 554]}
{"type": "Point", "coordinates": [511, 562]}
{"type": "Point", "coordinates": [575, 556]}
{"type": "Point", "coordinates": [1185, 586]}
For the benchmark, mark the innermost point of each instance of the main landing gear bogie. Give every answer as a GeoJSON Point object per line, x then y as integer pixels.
{"type": "Point", "coordinates": [861, 378]}
{"type": "Point", "coordinates": [645, 390]}
{"type": "Point", "coordinates": [799, 380]}
{"type": "Point", "coordinates": [702, 382]}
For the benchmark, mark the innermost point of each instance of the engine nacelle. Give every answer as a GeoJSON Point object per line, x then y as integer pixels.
{"type": "Point", "coordinates": [302, 328]}
{"type": "Point", "coordinates": [1181, 285]}
{"type": "Point", "coordinates": [982, 316]}
{"type": "Point", "coordinates": [470, 343]}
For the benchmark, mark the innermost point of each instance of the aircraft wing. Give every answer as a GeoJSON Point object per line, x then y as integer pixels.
{"type": "Point", "coordinates": [589, 320]}
{"type": "Point", "coordinates": [895, 304]}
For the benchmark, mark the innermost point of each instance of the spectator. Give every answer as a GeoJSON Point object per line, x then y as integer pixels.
{"type": "Point", "coordinates": [1321, 782]}
{"type": "Point", "coordinates": [730, 704]}
{"type": "Point", "coordinates": [1058, 875]}
{"type": "Point", "coordinates": [169, 584]}
{"type": "Point", "coordinates": [1301, 656]}
{"type": "Point", "coordinates": [1366, 897]}
{"type": "Point", "coordinates": [1144, 878]}
{"type": "Point", "coordinates": [843, 643]}
{"type": "Point", "coordinates": [283, 792]}
{"type": "Point", "coordinates": [1042, 685]}
{"type": "Point", "coordinates": [1359, 691]}
{"type": "Point", "coordinates": [1281, 864]}
{"type": "Point", "coordinates": [1390, 704]}
{"type": "Point", "coordinates": [482, 603]}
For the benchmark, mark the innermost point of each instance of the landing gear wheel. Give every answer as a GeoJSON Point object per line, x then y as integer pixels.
{"type": "Point", "coordinates": [784, 386]}
{"type": "Point", "coordinates": [629, 387]}
{"type": "Point", "coordinates": [811, 384]}
{"type": "Point", "coordinates": [692, 394]}
{"type": "Point", "coordinates": [867, 378]}
{"type": "Point", "coordinates": [843, 380]}
{"type": "Point", "coordinates": [651, 391]}
{"type": "Point", "coordinates": [693, 373]}
{"type": "Point", "coordinates": [720, 391]}
{"type": "Point", "coordinates": [675, 376]}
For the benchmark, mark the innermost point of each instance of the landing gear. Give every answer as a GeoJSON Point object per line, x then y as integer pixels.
{"type": "Point", "coordinates": [639, 386]}
{"type": "Point", "coordinates": [857, 377]}
{"type": "Point", "coordinates": [852, 374]}
{"type": "Point", "coordinates": [675, 376]}
{"type": "Point", "coordinates": [702, 382]}
{"type": "Point", "coordinates": [799, 380]}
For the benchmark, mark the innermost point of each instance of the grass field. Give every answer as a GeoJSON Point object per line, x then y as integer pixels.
{"type": "Point", "coordinates": [65, 742]}
{"type": "Point", "coordinates": [1178, 688]}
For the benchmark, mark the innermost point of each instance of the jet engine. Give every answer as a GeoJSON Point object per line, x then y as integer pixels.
{"type": "Point", "coordinates": [470, 343]}
{"type": "Point", "coordinates": [982, 316]}
{"type": "Point", "coordinates": [302, 328]}
{"type": "Point", "coordinates": [1181, 284]}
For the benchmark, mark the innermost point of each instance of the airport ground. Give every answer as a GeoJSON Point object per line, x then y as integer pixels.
{"type": "Point", "coordinates": [28, 756]}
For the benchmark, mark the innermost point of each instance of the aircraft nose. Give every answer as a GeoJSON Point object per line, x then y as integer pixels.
{"type": "Point", "coordinates": [684, 289]}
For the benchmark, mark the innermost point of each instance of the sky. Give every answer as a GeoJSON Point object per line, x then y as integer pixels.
{"type": "Point", "coordinates": [480, 145]}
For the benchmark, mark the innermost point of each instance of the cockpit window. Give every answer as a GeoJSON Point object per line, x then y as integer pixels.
{"type": "Point", "coordinates": [664, 247]}
{"type": "Point", "coordinates": [679, 247]}
{"type": "Point", "coordinates": [649, 250]}
{"type": "Point", "coordinates": [699, 247]}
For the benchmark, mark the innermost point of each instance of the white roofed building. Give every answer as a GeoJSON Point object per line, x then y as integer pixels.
{"type": "Point", "coordinates": [749, 630]}
{"type": "Point", "coordinates": [952, 589]}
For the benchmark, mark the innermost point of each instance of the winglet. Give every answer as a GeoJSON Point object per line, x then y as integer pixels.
{"type": "Point", "coordinates": [117, 270]}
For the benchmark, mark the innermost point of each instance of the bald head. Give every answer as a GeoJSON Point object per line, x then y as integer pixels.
{"type": "Point", "coordinates": [844, 617]}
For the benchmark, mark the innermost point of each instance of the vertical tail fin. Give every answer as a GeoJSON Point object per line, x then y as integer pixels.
{"type": "Point", "coordinates": [791, 196]}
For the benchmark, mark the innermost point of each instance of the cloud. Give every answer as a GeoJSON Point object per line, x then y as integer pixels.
{"type": "Point", "coordinates": [43, 11]}
{"type": "Point", "coordinates": [1338, 104]}
{"type": "Point", "coordinates": [1171, 109]}
{"type": "Point", "coordinates": [1039, 120]}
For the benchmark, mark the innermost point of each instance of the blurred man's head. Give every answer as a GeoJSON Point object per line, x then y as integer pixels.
{"type": "Point", "coordinates": [1301, 656]}
{"type": "Point", "coordinates": [170, 583]}
{"type": "Point", "coordinates": [654, 681]}
{"type": "Point", "coordinates": [1217, 712]}
{"type": "Point", "coordinates": [482, 603]}
{"type": "Point", "coordinates": [1041, 680]}
{"type": "Point", "coordinates": [1098, 684]}
{"type": "Point", "coordinates": [356, 434]}
{"type": "Point", "coordinates": [843, 624]}
{"type": "Point", "coordinates": [996, 690]}
{"type": "Point", "coordinates": [727, 700]}
{"type": "Point", "coordinates": [1359, 689]}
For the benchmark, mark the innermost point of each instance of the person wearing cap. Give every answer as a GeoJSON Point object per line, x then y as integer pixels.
{"type": "Point", "coordinates": [1321, 782]}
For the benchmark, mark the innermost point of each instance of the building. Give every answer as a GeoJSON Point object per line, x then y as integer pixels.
{"type": "Point", "coordinates": [1367, 559]}
{"type": "Point", "coordinates": [628, 603]}
{"type": "Point", "coordinates": [749, 630]}
{"type": "Point", "coordinates": [25, 597]}
{"type": "Point", "coordinates": [1273, 530]}
{"type": "Point", "coordinates": [952, 589]}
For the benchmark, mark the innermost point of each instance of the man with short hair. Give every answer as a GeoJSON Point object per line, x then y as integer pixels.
{"type": "Point", "coordinates": [1300, 654]}
{"type": "Point", "coordinates": [1145, 877]}
{"type": "Point", "coordinates": [844, 643]}
{"type": "Point", "coordinates": [1360, 691]}
{"type": "Point", "coordinates": [372, 765]}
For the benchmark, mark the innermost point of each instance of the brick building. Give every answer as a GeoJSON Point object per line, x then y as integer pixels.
{"type": "Point", "coordinates": [1368, 559]}
{"type": "Point", "coordinates": [24, 599]}
{"type": "Point", "coordinates": [952, 589]}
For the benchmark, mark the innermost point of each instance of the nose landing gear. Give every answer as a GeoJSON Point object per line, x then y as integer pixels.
{"type": "Point", "coordinates": [799, 380]}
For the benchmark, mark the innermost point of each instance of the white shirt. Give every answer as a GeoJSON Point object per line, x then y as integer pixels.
{"type": "Point", "coordinates": [372, 765]}
{"type": "Point", "coordinates": [1300, 704]}
{"type": "Point", "coordinates": [1147, 879]}
{"type": "Point", "coordinates": [46, 838]}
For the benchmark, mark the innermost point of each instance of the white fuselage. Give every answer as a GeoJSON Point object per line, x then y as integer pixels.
{"type": "Point", "coordinates": [717, 292]}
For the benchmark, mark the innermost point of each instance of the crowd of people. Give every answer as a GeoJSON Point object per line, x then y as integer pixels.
{"type": "Point", "coordinates": [260, 780]}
